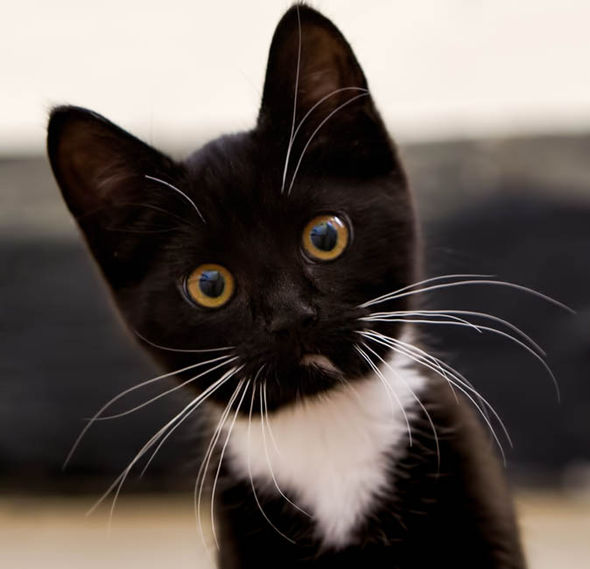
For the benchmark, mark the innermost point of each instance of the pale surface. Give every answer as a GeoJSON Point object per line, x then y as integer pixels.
{"type": "Point", "coordinates": [181, 70]}
{"type": "Point", "coordinates": [160, 532]}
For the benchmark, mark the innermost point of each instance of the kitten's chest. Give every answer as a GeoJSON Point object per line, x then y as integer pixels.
{"type": "Point", "coordinates": [334, 455]}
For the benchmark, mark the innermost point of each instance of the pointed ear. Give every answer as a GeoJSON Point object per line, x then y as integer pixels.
{"type": "Point", "coordinates": [96, 163]}
{"type": "Point", "coordinates": [313, 78]}
{"type": "Point", "coordinates": [101, 171]}
{"type": "Point", "coordinates": [307, 50]}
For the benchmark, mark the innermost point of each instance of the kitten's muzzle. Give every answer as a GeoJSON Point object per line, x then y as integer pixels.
{"type": "Point", "coordinates": [291, 320]}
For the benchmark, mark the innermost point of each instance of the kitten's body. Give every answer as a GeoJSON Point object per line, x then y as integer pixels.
{"type": "Point", "coordinates": [453, 514]}
{"type": "Point", "coordinates": [325, 408]}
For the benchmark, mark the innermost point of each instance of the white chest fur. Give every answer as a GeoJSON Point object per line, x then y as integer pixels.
{"type": "Point", "coordinates": [333, 453]}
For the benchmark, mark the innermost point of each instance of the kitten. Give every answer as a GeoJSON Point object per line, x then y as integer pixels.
{"type": "Point", "coordinates": [273, 272]}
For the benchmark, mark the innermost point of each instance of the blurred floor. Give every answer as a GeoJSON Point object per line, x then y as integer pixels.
{"type": "Point", "coordinates": [156, 532]}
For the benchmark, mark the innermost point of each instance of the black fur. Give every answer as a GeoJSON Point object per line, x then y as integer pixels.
{"type": "Point", "coordinates": [147, 238]}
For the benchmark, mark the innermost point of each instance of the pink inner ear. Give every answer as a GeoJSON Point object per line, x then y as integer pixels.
{"type": "Point", "coordinates": [326, 66]}
{"type": "Point", "coordinates": [317, 84]}
{"type": "Point", "coordinates": [90, 171]}
{"type": "Point", "coordinates": [308, 51]}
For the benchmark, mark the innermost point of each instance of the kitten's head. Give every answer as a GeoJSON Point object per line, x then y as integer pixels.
{"type": "Point", "coordinates": [266, 241]}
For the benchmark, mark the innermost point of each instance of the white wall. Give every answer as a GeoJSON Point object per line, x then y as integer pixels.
{"type": "Point", "coordinates": [176, 70]}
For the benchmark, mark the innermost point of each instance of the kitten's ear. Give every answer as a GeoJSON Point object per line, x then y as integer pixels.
{"type": "Point", "coordinates": [313, 73]}
{"type": "Point", "coordinates": [308, 43]}
{"type": "Point", "coordinates": [96, 163]}
{"type": "Point", "coordinates": [101, 171]}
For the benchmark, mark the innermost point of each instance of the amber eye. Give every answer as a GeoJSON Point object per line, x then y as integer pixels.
{"type": "Point", "coordinates": [325, 237]}
{"type": "Point", "coordinates": [210, 285]}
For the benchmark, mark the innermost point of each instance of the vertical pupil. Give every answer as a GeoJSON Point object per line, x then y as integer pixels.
{"type": "Point", "coordinates": [324, 236]}
{"type": "Point", "coordinates": [212, 283]}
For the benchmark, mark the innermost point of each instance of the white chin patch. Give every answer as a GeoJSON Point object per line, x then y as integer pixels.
{"type": "Point", "coordinates": [333, 453]}
{"type": "Point", "coordinates": [318, 361]}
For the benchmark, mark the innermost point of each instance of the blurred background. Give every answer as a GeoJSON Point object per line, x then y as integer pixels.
{"type": "Point", "coordinates": [490, 104]}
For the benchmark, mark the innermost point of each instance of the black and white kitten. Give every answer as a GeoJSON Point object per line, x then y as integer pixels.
{"type": "Point", "coordinates": [273, 273]}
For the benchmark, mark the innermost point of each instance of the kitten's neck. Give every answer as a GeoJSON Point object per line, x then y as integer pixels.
{"type": "Point", "coordinates": [332, 454]}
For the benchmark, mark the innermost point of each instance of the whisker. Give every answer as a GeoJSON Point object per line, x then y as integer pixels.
{"type": "Point", "coordinates": [225, 348]}
{"type": "Point", "coordinates": [95, 417]}
{"type": "Point", "coordinates": [187, 198]}
{"type": "Point", "coordinates": [160, 444]}
{"type": "Point", "coordinates": [416, 398]}
{"type": "Point", "coordinates": [384, 316]}
{"type": "Point", "coordinates": [158, 209]}
{"type": "Point", "coordinates": [484, 315]}
{"type": "Point", "coordinates": [138, 231]}
{"type": "Point", "coordinates": [427, 361]}
{"type": "Point", "coordinates": [268, 461]}
{"type": "Point", "coordinates": [258, 504]}
{"type": "Point", "coordinates": [171, 428]}
{"type": "Point", "coordinates": [306, 116]}
{"type": "Point", "coordinates": [293, 134]}
{"type": "Point", "coordinates": [168, 391]}
{"type": "Point", "coordinates": [384, 297]}
{"type": "Point", "coordinates": [388, 341]}
{"type": "Point", "coordinates": [330, 115]}
{"type": "Point", "coordinates": [204, 467]}
{"type": "Point", "coordinates": [395, 296]}
{"type": "Point", "coordinates": [459, 377]}
{"type": "Point", "coordinates": [325, 98]}
{"type": "Point", "coordinates": [222, 455]}
{"type": "Point", "coordinates": [118, 483]}
{"type": "Point", "coordinates": [493, 331]}
{"type": "Point", "coordinates": [389, 390]}
{"type": "Point", "coordinates": [463, 389]}
{"type": "Point", "coordinates": [270, 432]}
{"type": "Point", "coordinates": [442, 369]}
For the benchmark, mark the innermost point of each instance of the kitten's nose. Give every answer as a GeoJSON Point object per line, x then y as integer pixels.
{"type": "Point", "coordinates": [292, 317]}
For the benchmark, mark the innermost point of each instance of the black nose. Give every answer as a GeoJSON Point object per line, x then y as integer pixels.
{"type": "Point", "coordinates": [292, 317]}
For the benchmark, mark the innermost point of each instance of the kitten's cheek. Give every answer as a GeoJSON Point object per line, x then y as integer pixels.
{"type": "Point", "coordinates": [319, 361]}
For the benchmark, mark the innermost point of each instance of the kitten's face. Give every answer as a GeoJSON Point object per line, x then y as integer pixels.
{"type": "Point", "coordinates": [272, 245]}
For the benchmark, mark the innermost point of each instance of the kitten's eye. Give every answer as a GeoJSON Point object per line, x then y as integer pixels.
{"type": "Point", "coordinates": [210, 285]}
{"type": "Point", "coordinates": [325, 237]}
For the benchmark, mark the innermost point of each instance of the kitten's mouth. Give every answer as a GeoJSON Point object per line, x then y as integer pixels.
{"type": "Point", "coordinates": [319, 361]}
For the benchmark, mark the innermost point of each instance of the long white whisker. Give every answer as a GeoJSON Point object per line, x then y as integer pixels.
{"type": "Point", "coordinates": [292, 135]}
{"type": "Point", "coordinates": [168, 185]}
{"type": "Point", "coordinates": [325, 98]}
{"type": "Point", "coordinates": [168, 391]}
{"type": "Point", "coordinates": [94, 418]}
{"type": "Point", "coordinates": [258, 504]}
{"type": "Point", "coordinates": [465, 390]}
{"type": "Point", "coordinates": [161, 443]}
{"type": "Point", "coordinates": [484, 315]}
{"type": "Point", "coordinates": [270, 432]}
{"type": "Point", "coordinates": [536, 293]}
{"type": "Point", "coordinates": [263, 391]}
{"type": "Point", "coordinates": [384, 297]}
{"type": "Point", "coordinates": [428, 360]}
{"type": "Point", "coordinates": [202, 473]}
{"type": "Point", "coordinates": [222, 455]}
{"type": "Point", "coordinates": [442, 369]}
{"type": "Point", "coordinates": [384, 316]}
{"type": "Point", "coordinates": [155, 438]}
{"type": "Point", "coordinates": [330, 115]}
{"type": "Point", "coordinates": [493, 331]}
{"type": "Point", "coordinates": [389, 390]}
{"type": "Point", "coordinates": [306, 116]}
{"type": "Point", "coordinates": [416, 398]}
{"type": "Point", "coordinates": [390, 342]}
{"type": "Point", "coordinates": [179, 419]}
{"type": "Point", "coordinates": [264, 413]}
{"type": "Point", "coordinates": [461, 379]}
{"type": "Point", "coordinates": [185, 350]}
